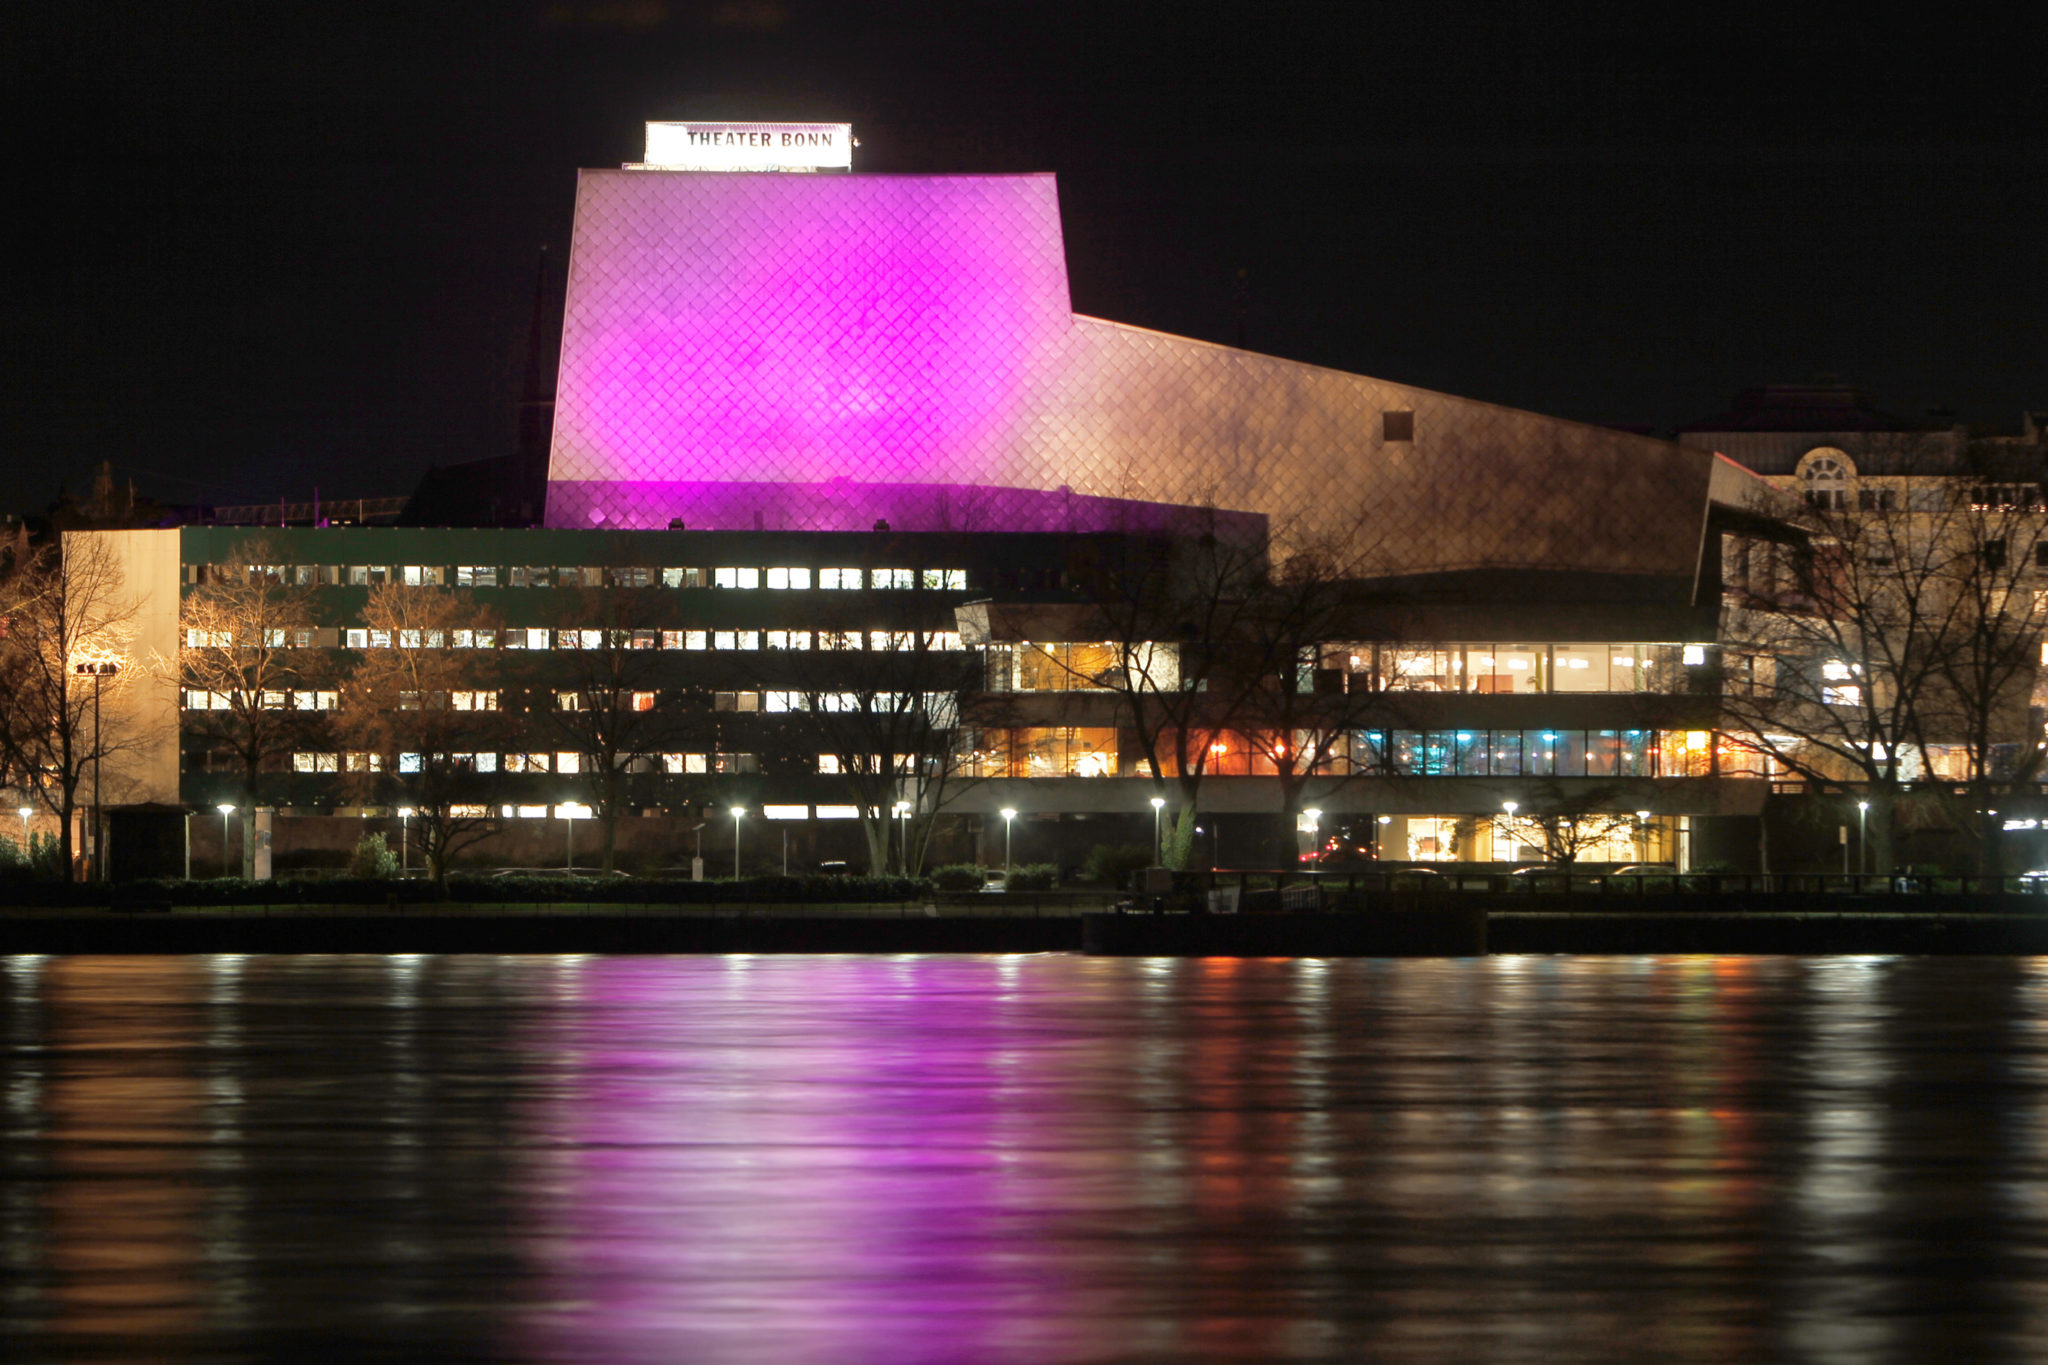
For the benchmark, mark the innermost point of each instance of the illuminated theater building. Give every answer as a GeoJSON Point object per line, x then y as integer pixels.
{"type": "Point", "coordinates": [807, 409]}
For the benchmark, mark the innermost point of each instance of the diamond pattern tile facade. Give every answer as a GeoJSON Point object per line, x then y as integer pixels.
{"type": "Point", "coordinates": [819, 352]}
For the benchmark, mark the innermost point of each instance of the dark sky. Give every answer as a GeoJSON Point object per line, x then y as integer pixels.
{"type": "Point", "coordinates": [274, 245]}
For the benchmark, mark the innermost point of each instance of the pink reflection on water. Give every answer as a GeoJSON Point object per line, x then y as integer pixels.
{"type": "Point", "coordinates": [718, 1184]}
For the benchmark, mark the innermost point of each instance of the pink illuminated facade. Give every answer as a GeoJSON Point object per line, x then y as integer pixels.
{"type": "Point", "coordinates": [823, 352]}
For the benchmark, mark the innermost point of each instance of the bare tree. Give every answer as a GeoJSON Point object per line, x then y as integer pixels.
{"type": "Point", "coordinates": [889, 720]}
{"type": "Point", "coordinates": [610, 711]}
{"type": "Point", "coordinates": [1569, 824]}
{"type": "Point", "coordinates": [1906, 622]}
{"type": "Point", "coordinates": [246, 665]}
{"type": "Point", "coordinates": [64, 664]}
{"type": "Point", "coordinates": [1172, 614]}
{"type": "Point", "coordinates": [1294, 713]}
{"type": "Point", "coordinates": [419, 711]}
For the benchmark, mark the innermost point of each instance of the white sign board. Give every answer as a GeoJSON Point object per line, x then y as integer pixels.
{"type": "Point", "coordinates": [749, 147]}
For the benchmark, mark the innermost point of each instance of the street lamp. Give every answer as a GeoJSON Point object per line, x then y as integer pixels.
{"type": "Point", "coordinates": [1510, 807]}
{"type": "Point", "coordinates": [1009, 814]}
{"type": "Point", "coordinates": [1862, 827]}
{"type": "Point", "coordinates": [226, 809]}
{"type": "Point", "coordinates": [1642, 836]}
{"type": "Point", "coordinates": [24, 812]}
{"type": "Point", "coordinates": [569, 832]}
{"type": "Point", "coordinates": [901, 810]}
{"type": "Point", "coordinates": [99, 670]}
{"type": "Point", "coordinates": [1158, 838]}
{"type": "Point", "coordinates": [737, 812]}
{"type": "Point", "coordinates": [405, 814]}
{"type": "Point", "coordinates": [1315, 827]}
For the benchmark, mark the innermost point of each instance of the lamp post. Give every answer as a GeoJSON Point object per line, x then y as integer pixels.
{"type": "Point", "coordinates": [569, 832]}
{"type": "Point", "coordinates": [1862, 828]}
{"type": "Point", "coordinates": [1158, 838]}
{"type": "Point", "coordinates": [1379, 837]}
{"type": "Point", "coordinates": [737, 812]}
{"type": "Point", "coordinates": [99, 670]}
{"type": "Point", "coordinates": [901, 810]}
{"type": "Point", "coordinates": [1510, 807]}
{"type": "Point", "coordinates": [24, 813]}
{"type": "Point", "coordinates": [226, 809]}
{"type": "Point", "coordinates": [405, 814]}
{"type": "Point", "coordinates": [1009, 815]}
{"type": "Point", "coordinates": [1642, 836]}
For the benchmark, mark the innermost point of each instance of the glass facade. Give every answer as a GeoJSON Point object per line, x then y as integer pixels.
{"type": "Point", "coordinates": [1546, 753]}
{"type": "Point", "coordinates": [1494, 669]}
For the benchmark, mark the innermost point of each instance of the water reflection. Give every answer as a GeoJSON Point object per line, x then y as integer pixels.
{"type": "Point", "coordinates": [1039, 1158]}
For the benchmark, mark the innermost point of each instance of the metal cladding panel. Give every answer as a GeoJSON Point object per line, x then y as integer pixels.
{"type": "Point", "coordinates": [818, 352]}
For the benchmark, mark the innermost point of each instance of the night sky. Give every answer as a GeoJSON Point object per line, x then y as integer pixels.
{"type": "Point", "coordinates": [263, 247]}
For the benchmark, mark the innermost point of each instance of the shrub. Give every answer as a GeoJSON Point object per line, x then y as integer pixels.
{"type": "Point", "coordinates": [1032, 877]}
{"type": "Point", "coordinates": [959, 877]}
{"type": "Point", "coordinates": [373, 859]}
{"type": "Point", "coordinates": [40, 862]}
{"type": "Point", "coordinates": [1113, 864]}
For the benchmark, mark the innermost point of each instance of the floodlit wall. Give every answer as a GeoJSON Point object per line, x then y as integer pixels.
{"type": "Point", "coordinates": [822, 352]}
{"type": "Point", "coordinates": [141, 710]}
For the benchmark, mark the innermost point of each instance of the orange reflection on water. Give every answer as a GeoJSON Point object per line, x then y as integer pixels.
{"type": "Point", "coordinates": [124, 1209]}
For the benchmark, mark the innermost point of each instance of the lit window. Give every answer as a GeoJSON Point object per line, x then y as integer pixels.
{"type": "Point", "coordinates": [568, 763]}
{"type": "Point", "coordinates": [682, 578]}
{"type": "Point", "coordinates": [1695, 654]}
{"type": "Point", "coordinates": [568, 701]}
{"type": "Point", "coordinates": [735, 578]}
{"type": "Point", "coordinates": [785, 812]}
{"type": "Point", "coordinates": [358, 639]}
{"type": "Point", "coordinates": [789, 578]}
{"type": "Point", "coordinates": [476, 576]}
{"type": "Point", "coordinates": [1834, 670]}
{"type": "Point", "coordinates": [722, 639]}
{"type": "Point", "coordinates": [643, 701]}
{"type": "Point", "coordinates": [892, 579]}
{"type": "Point", "coordinates": [839, 578]}
{"type": "Point", "coordinates": [839, 812]}
{"type": "Point", "coordinates": [380, 639]}
{"type": "Point", "coordinates": [1846, 695]}
{"type": "Point", "coordinates": [644, 639]}
{"type": "Point", "coordinates": [696, 639]}
{"type": "Point", "coordinates": [632, 576]}
{"type": "Point", "coordinates": [828, 763]}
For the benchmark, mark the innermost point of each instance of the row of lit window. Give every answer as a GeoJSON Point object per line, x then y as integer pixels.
{"type": "Point", "coordinates": [572, 763]}
{"type": "Point", "coordinates": [778, 577]}
{"type": "Point", "coordinates": [540, 637]}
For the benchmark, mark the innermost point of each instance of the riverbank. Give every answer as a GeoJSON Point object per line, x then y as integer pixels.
{"type": "Point", "coordinates": [1464, 928]}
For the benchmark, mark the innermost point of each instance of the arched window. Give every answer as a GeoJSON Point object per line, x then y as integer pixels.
{"type": "Point", "coordinates": [1825, 475]}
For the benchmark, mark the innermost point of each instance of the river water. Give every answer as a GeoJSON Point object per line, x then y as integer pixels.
{"type": "Point", "coordinates": [1023, 1158]}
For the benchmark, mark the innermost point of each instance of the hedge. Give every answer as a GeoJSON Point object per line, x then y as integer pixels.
{"type": "Point", "coordinates": [515, 890]}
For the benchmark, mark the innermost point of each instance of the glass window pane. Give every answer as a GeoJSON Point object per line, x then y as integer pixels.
{"type": "Point", "coordinates": [1582, 668]}
{"type": "Point", "coordinates": [1507, 753]}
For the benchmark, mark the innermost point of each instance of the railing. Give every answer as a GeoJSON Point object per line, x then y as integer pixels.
{"type": "Point", "coordinates": [1287, 889]}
